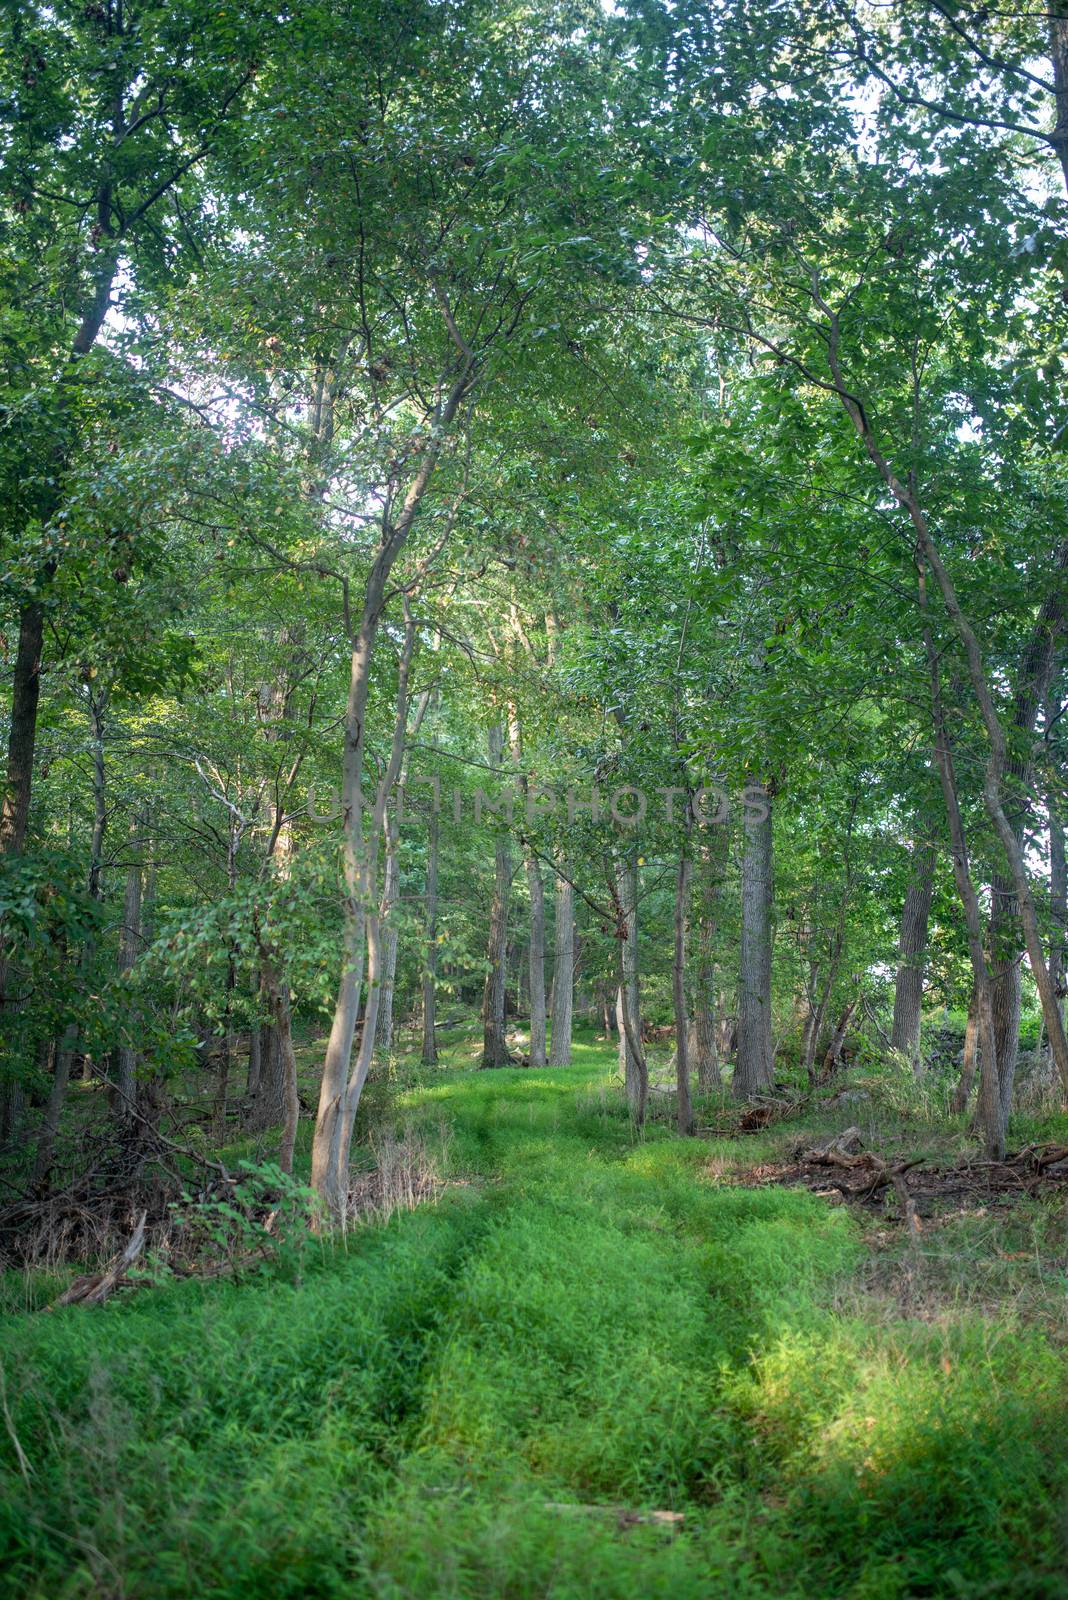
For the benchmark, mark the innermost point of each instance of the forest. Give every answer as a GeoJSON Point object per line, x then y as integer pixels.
{"type": "Point", "coordinates": [533, 854]}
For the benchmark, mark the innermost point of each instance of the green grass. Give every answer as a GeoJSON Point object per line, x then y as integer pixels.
{"type": "Point", "coordinates": [587, 1321]}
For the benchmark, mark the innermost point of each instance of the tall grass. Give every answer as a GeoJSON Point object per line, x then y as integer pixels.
{"type": "Point", "coordinates": [593, 1323]}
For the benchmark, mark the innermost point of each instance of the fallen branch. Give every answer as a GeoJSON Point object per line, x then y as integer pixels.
{"type": "Point", "coordinates": [92, 1289]}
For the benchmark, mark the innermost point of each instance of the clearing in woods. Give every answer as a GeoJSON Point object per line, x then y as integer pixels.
{"type": "Point", "coordinates": [594, 1366]}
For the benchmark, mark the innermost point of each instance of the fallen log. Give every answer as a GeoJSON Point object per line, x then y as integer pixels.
{"type": "Point", "coordinates": [838, 1149]}
{"type": "Point", "coordinates": [93, 1288]}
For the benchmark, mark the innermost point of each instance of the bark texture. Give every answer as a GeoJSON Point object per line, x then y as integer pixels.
{"type": "Point", "coordinates": [563, 975]}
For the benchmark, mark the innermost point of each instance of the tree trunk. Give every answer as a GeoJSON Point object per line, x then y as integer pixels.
{"type": "Point", "coordinates": [339, 1097]}
{"type": "Point", "coordinates": [536, 948]}
{"type": "Point", "coordinates": [726, 1029]}
{"type": "Point", "coordinates": [991, 1117]}
{"type": "Point", "coordinates": [912, 955]}
{"type": "Point", "coordinates": [838, 1039]}
{"type": "Point", "coordinates": [1058, 51]}
{"type": "Point", "coordinates": [630, 1033]}
{"type": "Point", "coordinates": [330, 1152]}
{"type": "Point", "coordinates": [813, 1017]}
{"type": "Point", "coordinates": [1034, 683]}
{"type": "Point", "coordinates": [628, 1000]}
{"type": "Point", "coordinates": [969, 1059]}
{"type": "Point", "coordinates": [536, 963]}
{"type": "Point", "coordinates": [683, 1102]}
{"type": "Point", "coordinates": [255, 1060]}
{"type": "Point", "coordinates": [22, 732]}
{"type": "Point", "coordinates": [390, 939]}
{"type": "Point", "coordinates": [268, 1108]}
{"type": "Point", "coordinates": [754, 1072]}
{"type": "Point", "coordinates": [430, 959]}
{"type": "Point", "coordinates": [706, 1055]}
{"type": "Point", "coordinates": [494, 1045]}
{"type": "Point", "coordinates": [563, 975]}
{"type": "Point", "coordinates": [623, 881]}
{"type": "Point", "coordinates": [1006, 984]}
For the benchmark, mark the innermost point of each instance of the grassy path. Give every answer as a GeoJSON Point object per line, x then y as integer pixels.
{"type": "Point", "coordinates": [587, 1322]}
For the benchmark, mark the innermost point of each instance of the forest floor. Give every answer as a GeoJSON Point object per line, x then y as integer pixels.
{"type": "Point", "coordinates": [593, 1365]}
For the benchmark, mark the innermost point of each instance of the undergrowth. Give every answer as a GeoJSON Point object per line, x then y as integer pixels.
{"type": "Point", "coordinates": [457, 1402]}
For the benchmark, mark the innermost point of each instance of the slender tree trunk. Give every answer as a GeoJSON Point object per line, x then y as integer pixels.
{"type": "Point", "coordinates": [255, 1060]}
{"type": "Point", "coordinates": [969, 1059]}
{"type": "Point", "coordinates": [536, 947]}
{"type": "Point", "coordinates": [838, 1039]}
{"type": "Point", "coordinates": [754, 1072]}
{"type": "Point", "coordinates": [991, 1116]}
{"type": "Point", "coordinates": [628, 1002]}
{"type": "Point", "coordinates": [1006, 984]}
{"type": "Point", "coordinates": [390, 940]}
{"type": "Point", "coordinates": [536, 963]}
{"type": "Point", "coordinates": [706, 1054]}
{"type": "Point", "coordinates": [814, 1014]}
{"type": "Point", "coordinates": [337, 1112]}
{"type": "Point", "coordinates": [22, 732]}
{"type": "Point", "coordinates": [563, 975]}
{"type": "Point", "coordinates": [327, 1178]}
{"type": "Point", "coordinates": [1058, 50]}
{"type": "Point", "coordinates": [726, 1029]}
{"type": "Point", "coordinates": [912, 954]}
{"type": "Point", "coordinates": [683, 1102]}
{"type": "Point", "coordinates": [630, 1032]}
{"type": "Point", "coordinates": [268, 1107]}
{"type": "Point", "coordinates": [330, 1152]}
{"type": "Point", "coordinates": [1005, 938]}
{"type": "Point", "coordinates": [494, 1045]}
{"type": "Point", "coordinates": [628, 995]}
{"type": "Point", "coordinates": [430, 959]}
